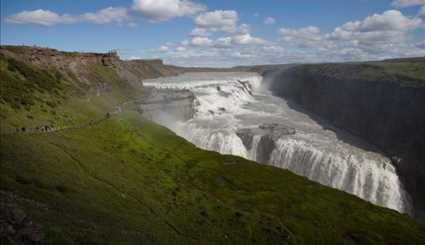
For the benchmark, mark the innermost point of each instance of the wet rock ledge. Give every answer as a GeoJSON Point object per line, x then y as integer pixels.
{"type": "Point", "coordinates": [269, 133]}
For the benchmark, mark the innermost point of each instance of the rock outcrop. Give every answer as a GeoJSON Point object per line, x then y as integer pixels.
{"type": "Point", "coordinates": [266, 137]}
{"type": "Point", "coordinates": [81, 66]}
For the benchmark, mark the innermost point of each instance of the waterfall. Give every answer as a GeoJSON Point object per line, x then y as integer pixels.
{"type": "Point", "coordinates": [252, 152]}
{"type": "Point", "coordinates": [223, 141]}
{"type": "Point", "coordinates": [374, 180]}
{"type": "Point", "coordinates": [233, 117]}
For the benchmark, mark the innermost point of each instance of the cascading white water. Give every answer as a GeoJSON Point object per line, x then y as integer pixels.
{"type": "Point", "coordinates": [374, 180]}
{"type": "Point", "coordinates": [231, 110]}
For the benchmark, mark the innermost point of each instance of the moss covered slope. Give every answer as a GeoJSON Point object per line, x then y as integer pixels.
{"type": "Point", "coordinates": [406, 72]}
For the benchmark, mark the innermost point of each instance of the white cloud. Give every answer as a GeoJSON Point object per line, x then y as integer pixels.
{"type": "Point", "coordinates": [180, 49]}
{"type": "Point", "coordinates": [391, 20]}
{"type": "Point", "coordinates": [163, 48]}
{"type": "Point", "coordinates": [305, 34]}
{"type": "Point", "coordinates": [407, 3]}
{"type": "Point", "coordinates": [222, 21]}
{"type": "Point", "coordinates": [219, 20]}
{"type": "Point", "coordinates": [223, 42]}
{"type": "Point", "coordinates": [306, 37]}
{"type": "Point", "coordinates": [161, 10]}
{"type": "Point", "coordinates": [269, 21]}
{"type": "Point", "coordinates": [247, 39]}
{"type": "Point", "coordinates": [386, 35]}
{"type": "Point", "coordinates": [201, 41]}
{"type": "Point", "coordinates": [154, 10]}
{"type": "Point", "coordinates": [243, 55]}
{"type": "Point", "coordinates": [199, 32]}
{"type": "Point", "coordinates": [390, 27]}
{"type": "Point", "coordinates": [133, 57]}
{"type": "Point", "coordinates": [377, 36]}
{"type": "Point", "coordinates": [420, 44]}
{"type": "Point", "coordinates": [243, 29]}
{"type": "Point", "coordinates": [108, 15]}
{"type": "Point", "coordinates": [49, 18]}
{"type": "Point", "coordinates": [229, 56]}
{"type": "Point", "coordinates": [40, 17]}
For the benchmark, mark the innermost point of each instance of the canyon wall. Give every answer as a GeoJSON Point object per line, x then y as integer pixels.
{"type": "Point", "coordinates": [382, 102]}
{"type": "Point", "coordinates": [86, 67]}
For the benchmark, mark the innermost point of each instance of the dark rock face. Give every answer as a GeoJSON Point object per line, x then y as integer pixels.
{"type": "Point", "coordinates": [246, 136]}
{"type": "Point", "coordinates": [387, 113]}
{"type": "Point", "coordinates": [265, 148]}
{"type": "Point", "coordinates": [277, 130]}
{"type": "Point", "coordinates": [269, 133]}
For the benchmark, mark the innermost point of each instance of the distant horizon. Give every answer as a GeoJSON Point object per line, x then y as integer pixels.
{"type": "Point", "coordinates": [214, 67]}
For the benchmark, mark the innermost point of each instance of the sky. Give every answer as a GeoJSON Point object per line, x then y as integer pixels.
{"type": "Point", "coordinates": [221, 33]}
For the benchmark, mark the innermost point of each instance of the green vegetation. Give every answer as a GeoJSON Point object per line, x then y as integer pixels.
{"type": "Point", "coordinates": [23, 85]}
{"type": "Point", "coordinates": [407, 73]}
{"type": "Point", "coordinates": [126, 180]}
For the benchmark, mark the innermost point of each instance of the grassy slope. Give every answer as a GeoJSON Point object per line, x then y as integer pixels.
{"type": "Point", "coordinates": [129, 181]}
{"type": "Point", "coordinates": [407, 73]}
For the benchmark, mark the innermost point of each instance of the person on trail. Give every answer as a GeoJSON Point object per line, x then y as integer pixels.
{"type": "Point", "coordinates": [108, 115]}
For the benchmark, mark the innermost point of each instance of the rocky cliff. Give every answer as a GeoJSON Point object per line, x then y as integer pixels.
{"type": "Point", "coordinates": [382, 102]}
{"type": "Point", "coordinates": [79, 66]}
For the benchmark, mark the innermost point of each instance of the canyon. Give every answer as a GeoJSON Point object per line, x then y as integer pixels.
{"type": "Point", "coordinates": [86, 159]}
{"type": "Point", "coordinates": [236, 113]}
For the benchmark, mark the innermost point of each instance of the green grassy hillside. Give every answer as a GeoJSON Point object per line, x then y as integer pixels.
{"type": "Point", "coordinates": [120, 179]}
{"type": "Point", "coordinates": [407, 72]}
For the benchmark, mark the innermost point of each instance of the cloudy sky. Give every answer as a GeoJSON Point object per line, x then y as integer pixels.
{"type": "Point", "coordinates": [222, 32]}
